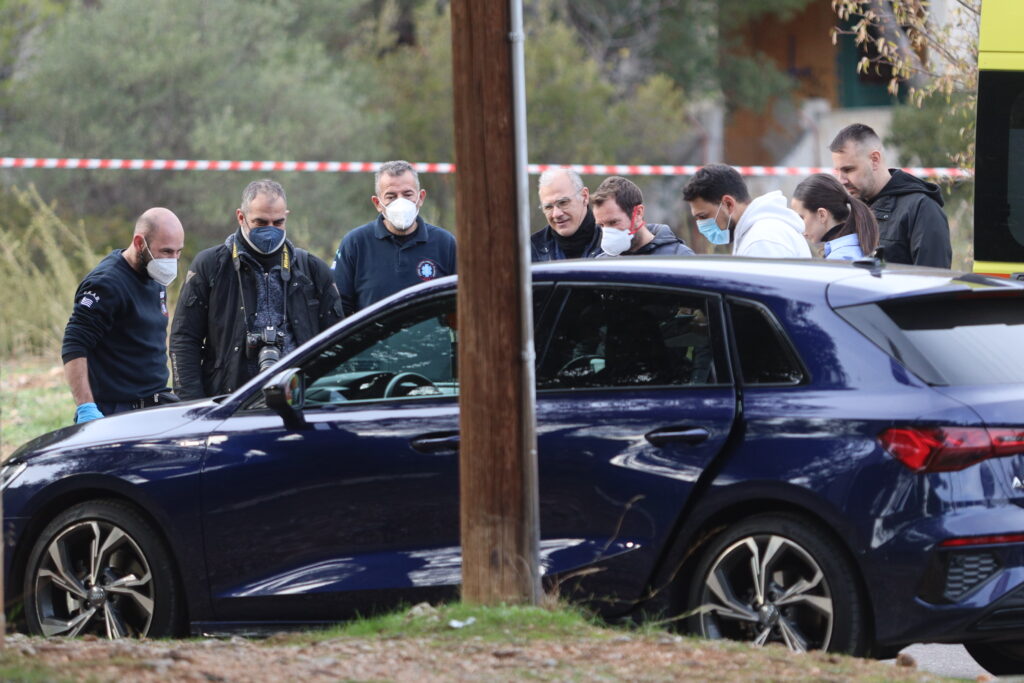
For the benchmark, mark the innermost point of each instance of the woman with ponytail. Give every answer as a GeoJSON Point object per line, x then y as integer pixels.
{"type": "Point", "coordinates": [843, 224]}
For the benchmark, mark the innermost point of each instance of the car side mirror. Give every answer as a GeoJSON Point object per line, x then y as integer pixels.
{"type": "Point", "coordinates": [285, 394]}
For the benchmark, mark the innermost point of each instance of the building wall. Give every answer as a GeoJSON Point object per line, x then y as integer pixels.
{"type": "Point", "coordinates": [802, 47]}
{"type": "Point", "coordinates": [829, 92]}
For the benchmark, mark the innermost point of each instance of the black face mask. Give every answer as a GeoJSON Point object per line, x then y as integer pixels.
{"type": "Point", "coordinates": [266, 239]}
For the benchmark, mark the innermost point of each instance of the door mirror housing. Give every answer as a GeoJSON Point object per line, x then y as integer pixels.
{"type": "Point", "coordinates": [285, 394]}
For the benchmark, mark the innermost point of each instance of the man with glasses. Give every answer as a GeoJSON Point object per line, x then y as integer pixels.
{"type": "Point", "coordinates": [248, 301]}
{"type": "Point", "coordinates": [571, 231]}
{"type": "Point", "coordinates": [398, 249]}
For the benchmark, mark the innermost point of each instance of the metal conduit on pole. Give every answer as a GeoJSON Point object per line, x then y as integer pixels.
{"type": "Point", "coordinates": [498, 456]}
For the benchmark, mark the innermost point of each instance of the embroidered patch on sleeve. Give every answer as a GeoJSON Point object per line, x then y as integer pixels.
{"type": "Point", "coordinates": [88, 299]}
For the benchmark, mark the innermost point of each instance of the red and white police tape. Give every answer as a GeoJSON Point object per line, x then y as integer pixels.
{"type": "Point", "coordinates": [371, 166]}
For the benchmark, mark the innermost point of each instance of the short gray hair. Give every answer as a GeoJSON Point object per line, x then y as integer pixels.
{"type": "Point", "coordinates": [268, 187]}
{"type": "Point", "coordinates": [549, 176]}
{"type": "Point", "coordinates": [393, 169]}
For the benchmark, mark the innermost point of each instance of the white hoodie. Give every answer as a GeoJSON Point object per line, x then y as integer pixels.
{"type": "Point", "coordinates": [770, 229]}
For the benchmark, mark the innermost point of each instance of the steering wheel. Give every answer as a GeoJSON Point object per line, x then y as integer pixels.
{"type": "Point", "coordinates": [579, 365]}
{"type": "Point", "coordinates": [407, 377]}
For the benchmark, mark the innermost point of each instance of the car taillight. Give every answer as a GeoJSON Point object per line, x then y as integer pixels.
{"type": "Point", "coordinates": [947, 449]}
{"type": "Point", "coordinates": [995, 539]}
{"type": "Point", "coordinates": [1007, 440]}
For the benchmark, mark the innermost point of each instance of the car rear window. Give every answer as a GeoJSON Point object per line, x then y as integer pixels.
{"type": "Point", "coordinates": [949, 341]}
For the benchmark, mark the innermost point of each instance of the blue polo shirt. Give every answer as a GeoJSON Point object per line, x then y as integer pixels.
{"type": "Point", "coordinates": [372, 263]}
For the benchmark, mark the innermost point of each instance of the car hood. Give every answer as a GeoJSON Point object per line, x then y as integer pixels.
{"type": "Point", "coordinates": [137, 424]}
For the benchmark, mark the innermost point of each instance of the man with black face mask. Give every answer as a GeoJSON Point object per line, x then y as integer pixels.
{"type": "Point", "coordinates": [115, 344]}
{"type": "Point", "coordinates": [571, 231]}
{"type": "Point", "coordinates": [253, 294]}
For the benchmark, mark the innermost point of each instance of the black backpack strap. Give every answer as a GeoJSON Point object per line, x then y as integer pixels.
{"type": "Point", "coordinates": [223, 261]}
{"type": "Point", "coordinates": [301, 260]}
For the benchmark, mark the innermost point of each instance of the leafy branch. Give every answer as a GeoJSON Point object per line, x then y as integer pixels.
{"type": "Point", "coordinates": [927, 57]}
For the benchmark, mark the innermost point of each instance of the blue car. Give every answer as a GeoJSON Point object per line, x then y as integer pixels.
{"type": "Point", "coordinates": [824, 455]}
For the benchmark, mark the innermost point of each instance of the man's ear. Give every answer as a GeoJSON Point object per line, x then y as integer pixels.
{"type": "Point", "coordinates": [638, 215]}
{"type": "Point", "coordinates": [375, 200]}
{"type": "Point", "coordinates": [239, 216]}
{"type": "Point", "coordinates": [876, 159]}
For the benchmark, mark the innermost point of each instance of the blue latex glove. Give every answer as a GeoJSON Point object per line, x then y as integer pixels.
{"type": "Point", "coordinates": [86, 412]}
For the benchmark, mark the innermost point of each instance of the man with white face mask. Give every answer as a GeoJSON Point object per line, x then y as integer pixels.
{"type": "Point", "coordinates": [619, 211]}
{"type": "Point", "coordinates": [114, 349]}
{"type": "Point", "coordinates": [247, 302]}
{"type": "Point", "coordinates": [398, 249]}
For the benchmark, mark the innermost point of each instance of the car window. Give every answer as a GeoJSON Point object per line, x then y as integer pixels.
{"type": "Point", "coordinates": [949, 341]}
{"type": "Point", "coordinates": [408, 354]}
{"type": "Point", "coordinates": [765, 355]}
{"type": "Point", "coordinates": [629, 337]}
{"type": "Point", "coordinates": [411, 353]}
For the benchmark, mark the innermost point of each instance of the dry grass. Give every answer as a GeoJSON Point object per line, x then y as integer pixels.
{"type": "Point", "coordinates": [41, 265]}
{"type": "Point", "coordinates": [423, 645]}
{"type": "Point", "coordinates": [34, 399]}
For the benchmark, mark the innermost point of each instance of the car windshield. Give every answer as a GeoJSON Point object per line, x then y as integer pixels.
{"type": "Point", "coordinates": [949, 341]}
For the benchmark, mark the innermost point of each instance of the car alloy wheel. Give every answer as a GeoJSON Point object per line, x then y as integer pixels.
{"type": "Point", "coordinates": [775, 579]}
{"type": "Point", "coordinates": [99, 569]}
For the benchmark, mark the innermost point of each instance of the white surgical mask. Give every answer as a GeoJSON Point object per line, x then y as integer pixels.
{"type": "Point", "coordinates": [162, 270]}
{"type": "Point", "coordinates": [615, 241]}
{"type": "Point", "coordinates": [401, 213]}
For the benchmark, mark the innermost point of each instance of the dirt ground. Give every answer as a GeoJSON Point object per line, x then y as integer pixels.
{"type": "Point", "coordinates": [422, 660]}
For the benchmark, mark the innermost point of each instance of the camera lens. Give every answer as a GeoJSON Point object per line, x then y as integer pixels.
{"type": "Point", "coordinates": [268, 356]}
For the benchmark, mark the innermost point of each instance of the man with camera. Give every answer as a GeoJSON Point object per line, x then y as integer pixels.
{"type": "Point", "coordinates": [248, 301]}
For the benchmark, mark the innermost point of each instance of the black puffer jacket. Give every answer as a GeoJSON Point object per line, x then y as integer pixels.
{"type": "Point", "coordinates": [912, 226]}
{"type": "Point", "coordinates": [208, 333]}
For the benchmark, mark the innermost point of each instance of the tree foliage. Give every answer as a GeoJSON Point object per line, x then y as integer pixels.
{"type": "Point", "coordinates": [929, 58]}
{"type": "Point", "coordinates": [607, 82]}
{"type": "Point", "coordinates": [303, 80]}
{"type": "Point", "coordinates": [182, 79]}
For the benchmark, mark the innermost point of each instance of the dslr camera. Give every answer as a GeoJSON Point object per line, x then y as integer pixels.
{"type": "Point", "coordinates": [265, 346]}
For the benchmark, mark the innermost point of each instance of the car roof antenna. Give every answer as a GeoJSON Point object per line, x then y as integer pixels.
{"type": "Point", "coordinates": [875, 262]}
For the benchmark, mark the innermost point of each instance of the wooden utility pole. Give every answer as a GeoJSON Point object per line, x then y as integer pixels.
{"type": "Point", "coordinates": [498, 458]}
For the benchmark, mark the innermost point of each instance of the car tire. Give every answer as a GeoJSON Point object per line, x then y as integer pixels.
{"type": "Point", "coordinates": [101, 568]}
{"type": "Point", "coordinates": [999, 659]}
{"type": "Point", "coordinates": [803, 594]}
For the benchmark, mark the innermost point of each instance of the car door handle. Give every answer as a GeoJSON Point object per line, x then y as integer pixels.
{"type": "Point", "coordinates": [677, 434]}
{"type": "Point", "coordinates": [436, 442]}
